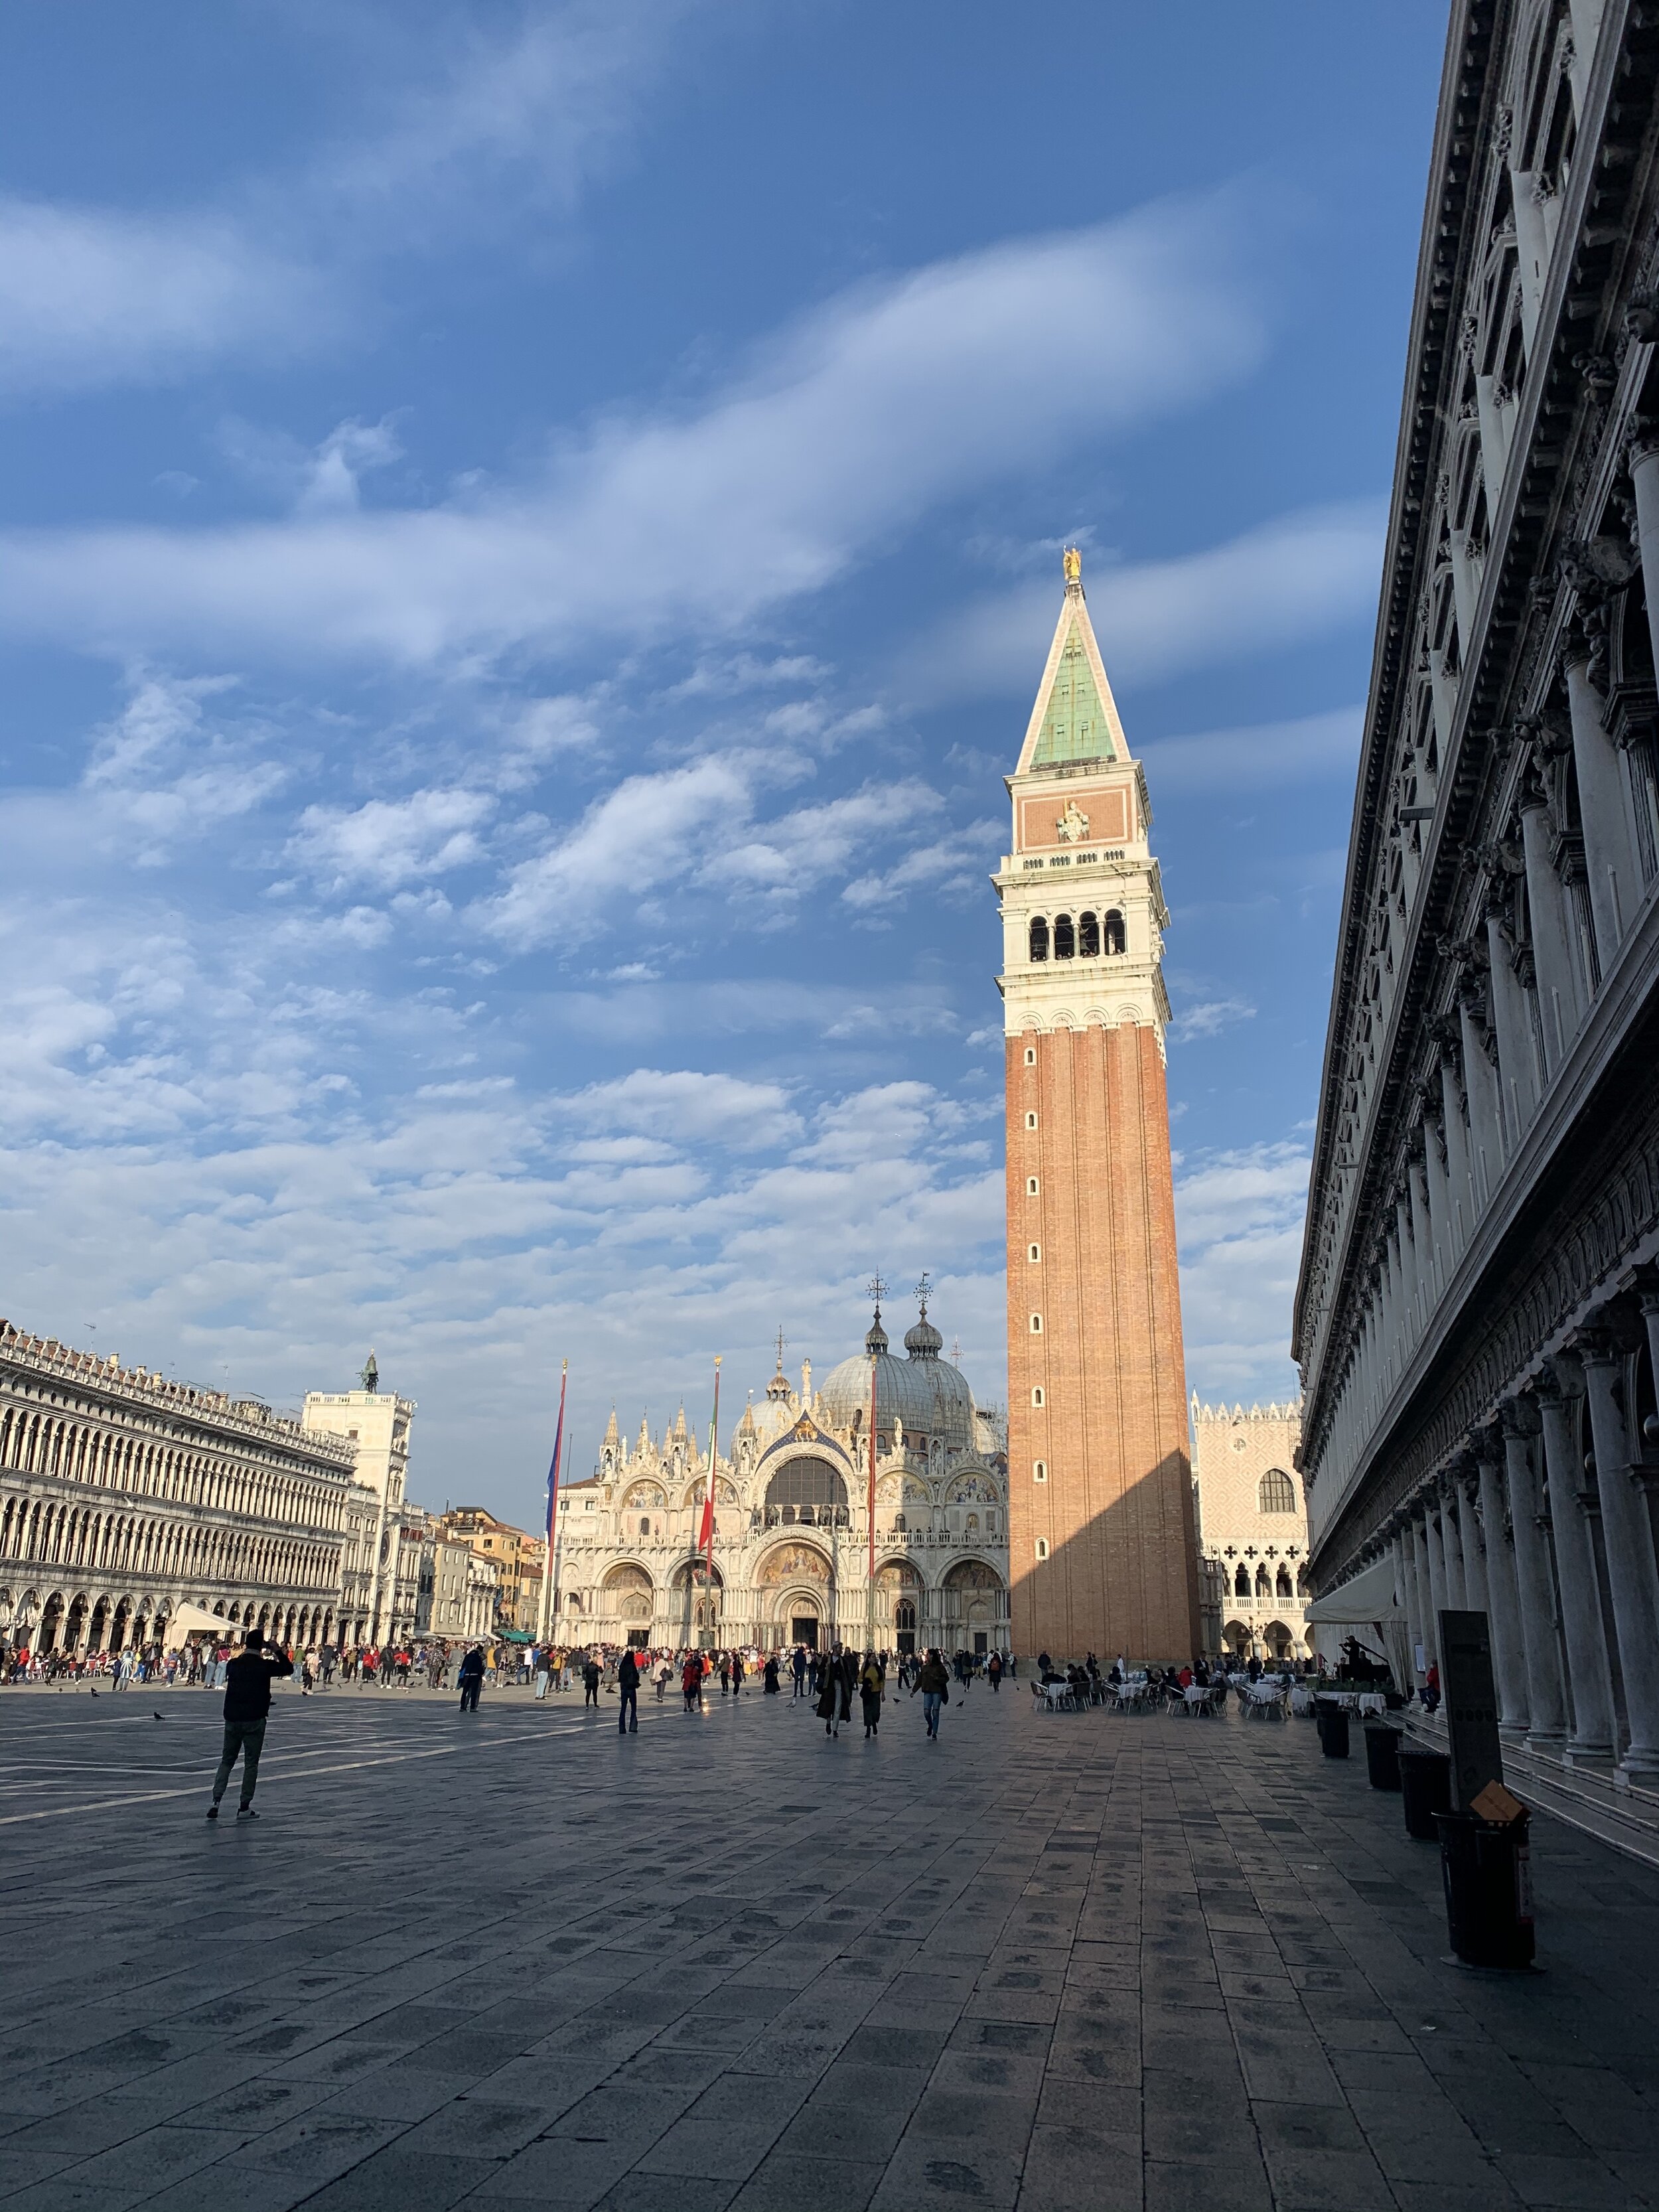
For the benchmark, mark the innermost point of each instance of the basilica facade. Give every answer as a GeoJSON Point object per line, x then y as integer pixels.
{"type": "Point", "coordinates": [793, 1537]}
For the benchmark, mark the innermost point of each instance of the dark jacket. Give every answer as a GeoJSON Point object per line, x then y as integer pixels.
{"type": "Point", "coordinates": [933, 1680]}
{"type": "Point", "coordinates": [472, 1667]}
{"type": "Point", "coordinates": [247, 1683]}
{"type": "Point", "coordinates": [627, 1674]}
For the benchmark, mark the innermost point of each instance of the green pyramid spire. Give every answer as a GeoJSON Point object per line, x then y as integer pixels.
{"type": "Point", "coordinates": [1075, 726]}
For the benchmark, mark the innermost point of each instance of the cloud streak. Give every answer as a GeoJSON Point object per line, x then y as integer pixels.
{"type": "Point", "coordinates": [1289, 580]}
{"type": "Point", "coordinates": [854, 424]}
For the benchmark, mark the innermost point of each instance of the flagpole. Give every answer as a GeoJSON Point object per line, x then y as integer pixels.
{"type": "Point", "coordinates": [870, 1570]}
{"type": "Point", "coordinates": [549, 1595]}
{"type": "Point", "coordinates": [713, 1451]}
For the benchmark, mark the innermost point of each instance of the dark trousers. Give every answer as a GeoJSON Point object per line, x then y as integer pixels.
{"type": "Point", "coordinates": [249, 1738]}
{"type": "Point", "coordinates": [628, 1713]}
{"type": "Point", "coordinates": [593, 1697]}
{"type": "Point", "coordinates": [469, 1688]}
{"type": "Point", "coordinates": [800, 1685]}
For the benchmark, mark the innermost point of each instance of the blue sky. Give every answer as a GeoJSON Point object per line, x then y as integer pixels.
{"type": "Point", "coordinates": [529, 538]}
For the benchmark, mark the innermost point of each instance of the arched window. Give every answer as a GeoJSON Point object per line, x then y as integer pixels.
{"type": "Point", "coordinates": [1064, 940]}
{"type": "Point", "coordinates": [1242, 1581]}
{"type": "Point", "coordinates": [1088, 936]}
{"type": "Point", "coordinates": [1264, 1588]}
{"type": "Point", "coordinates": [1116, 941]}
{"type": "Point", "coordinates": [806, 1482]}
{"type": "Point", "coordinates": [1282, 1582]}
{"type": "Point", "coordinates": [1278, 1492]}
{"type": "Point", "coordinates": [904, 1617]}
{"type": "Point", "coordinates": [1039, 938]}
{"type": "Point", "coordinates": [645, 1524]}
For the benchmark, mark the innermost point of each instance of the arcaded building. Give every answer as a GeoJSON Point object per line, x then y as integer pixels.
{"type": "Point", "coordinates": [130, 1503]}
{"type": "Point", "coordinates": [1252, 1530]}
{"type": "Point", "coordinates": [1102, 1556]}
{"type": "Point", "coordinates": [1478, 1312]}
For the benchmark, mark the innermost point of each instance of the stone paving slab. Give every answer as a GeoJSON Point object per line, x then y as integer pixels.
{"type": "Point", "coordinates": [728, 1966]}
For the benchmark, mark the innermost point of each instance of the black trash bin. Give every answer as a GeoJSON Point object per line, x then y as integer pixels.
{"type": "Point", "coordinates": [1333, 1723]}
{"type": "Point", "coordinates": [1383, 1755]}
{"type": "Point", "coordinates": [1424, 1788]}
{"type": "Point", "coordinates": [1487, 1870]}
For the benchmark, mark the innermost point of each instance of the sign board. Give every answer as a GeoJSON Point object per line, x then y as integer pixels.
{"type": "Point", "coordinates": [1466, 1684]}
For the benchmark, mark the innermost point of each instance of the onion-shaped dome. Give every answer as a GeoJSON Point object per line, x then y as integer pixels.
{"type": "Point", "coordinates": [925, 1393]}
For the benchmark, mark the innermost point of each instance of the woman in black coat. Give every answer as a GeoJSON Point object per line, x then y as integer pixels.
{"type": "Point", "coordinates": [828, 1698]}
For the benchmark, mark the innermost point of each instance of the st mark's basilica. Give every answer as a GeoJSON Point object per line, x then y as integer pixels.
{"type": "Point", "coordinates": [790, 1548]}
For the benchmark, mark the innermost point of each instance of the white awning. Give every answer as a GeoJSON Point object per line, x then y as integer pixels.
{"type": "Point", "coordinates": [184, 1620]}
{"type": "Point", "coordinates": [1366, 1602]}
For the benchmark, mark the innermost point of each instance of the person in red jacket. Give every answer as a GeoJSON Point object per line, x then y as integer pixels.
{"type": "Point", "coordinates": [692, 1681]}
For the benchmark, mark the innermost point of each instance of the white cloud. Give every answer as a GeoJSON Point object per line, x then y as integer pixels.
{"type": "Point", "coordinates": [1239, 1218]}
{"type": "Point", "coordinates": [1288, 580]}
{"type": "Point", "coordinates": [91, 295]}
{"type": "Point", "coordinates": [1207, 1017]}
{"type": "Point", "coordinates": [687, 1108]}
{"type": "Point", "coordinates": [161, 773]}
{"type": "Point", "coordinates": [386, 842]}
{"type": "Point", "coordinates": [1258, 756]}
{"type": "Point", "coordinates": [515, 120]}
{"type": "Point", "coordinates": [853, 425]}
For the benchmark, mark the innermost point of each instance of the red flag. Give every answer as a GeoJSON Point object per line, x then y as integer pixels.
{"type": "Point", "coordinates": [706, 1533]}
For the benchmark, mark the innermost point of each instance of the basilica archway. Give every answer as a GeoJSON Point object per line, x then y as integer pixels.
{"type": "Point", "coordinates": [794, 1587]}
{"type": "Point", "coordinates": [975, 1607]}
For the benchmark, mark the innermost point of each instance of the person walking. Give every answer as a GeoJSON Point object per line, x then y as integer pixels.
{"type": "Point", "coordinates": [470, 1678]}
{"type": "Point", "coordinates": [847, 1674]}
{"type": "Point", "coordinates": [737, 1674]}
{"type": "Point", "coordinates": [797, 1668]}
{"type": "Point", "coordinates": [993, 1670]}
{"type": "Point", "coordinates": [628, 1691]}
{"type": "Point", "coordinates": [934, 1683]}
{"type": "Point", "coordinates": [664, 1676]}
{"type": "Point", "coordinates": [725, 1674]}
{"type": "Point", "coordinates": [248, 1679]}
{"type": "Point", "coordinates": [591, 1672]}
{"type": "Point", "coordinates": [870, 1694]}
{"type": "Point", "coordinates": [692, 1681]}
{"type": "Point", "coordinates": [829, 1697]}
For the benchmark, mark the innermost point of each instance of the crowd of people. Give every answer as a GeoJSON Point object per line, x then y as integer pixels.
{"type": "Point", "coordinates": [1090, 1686]}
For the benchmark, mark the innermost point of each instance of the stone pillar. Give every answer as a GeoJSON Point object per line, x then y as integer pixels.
{"type": "Point", "coordinates": [1480, 1087]}
{"type": "Point", "coordinates": [1632, 1573]}
{"type": "Point", "coordinates": [1416, 1587]}
{"type": "Point", "coordinates": [1503, 1597]}
{"type": "Point", "coordinates": [1428, 1278]}
{"type": "Point", "coordinates": [1469, 1537]}
{"type": "Point", "coordinates": [1451, 1548]}
{"type": "Point", "coordinates": [1439, 1191]}
{"type": "Point", "coordinates": [1615, 883]}
{"type": "Point", "coordinates": [1463, 1206]}
{"type": "Point", "coordinates": [1546, 908]}
{"type": "Point", "coordinates": [1592, 1735]}
{"type": "Point", "coordinates": [1404, 1581]}
{"type": "Point", "coordinates": [1644, 475]}
{"type": "Point", "coordinates": [1438, 1600]}
{"type": "Point", "coordinates": [1517, 1061]}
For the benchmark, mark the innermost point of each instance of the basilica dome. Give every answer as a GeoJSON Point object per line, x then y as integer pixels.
{"type": "Point", "coordinates": [927, 1393]}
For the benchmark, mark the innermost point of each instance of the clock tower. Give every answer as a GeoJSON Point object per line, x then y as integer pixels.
{"type": "Point", "coordinates": [1102, 1556]}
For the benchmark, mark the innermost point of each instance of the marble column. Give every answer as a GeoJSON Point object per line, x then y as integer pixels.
{"type": "Point", "coordinates": [1517, 1061]}
{"type": "Point", "coordinates": [1503, 1597]}
{"type": "Point", "coordinates": [1632, 1574]}
{"type": "Point", "coordinates": [1405, 1576]}
{"type": "Point", "coordinates": [1451, 1547]}
{"type": "Point", "coordinates": [1615, 883]}
{"type": "Point", "coordinates": [1419, 1537]}
{"type": "Point", "coordinates": [1465, 1210]}
{"type": "Point", "coordinates": [1540, 1634]}
{"type": "Point", "coordinates": [1546, 907]}
{"type": "Point", "coordinates": [1438, 1600]}
{"type": "Point", "coordinates": [1644, 475]}
{"type": "Point", "coordinates": [1465, 1490]}
{"type": "Point", "coordinates": [1575, 1565]}
{"type": "Point", "coordinates": [1480, 1088]}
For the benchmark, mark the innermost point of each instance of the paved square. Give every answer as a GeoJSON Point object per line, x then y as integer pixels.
{"type": "Point", "coordinates": [1085, 1961]}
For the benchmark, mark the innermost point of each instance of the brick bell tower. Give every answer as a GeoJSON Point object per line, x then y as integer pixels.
{"type": "Point", "coordinates": [1102, 1556]}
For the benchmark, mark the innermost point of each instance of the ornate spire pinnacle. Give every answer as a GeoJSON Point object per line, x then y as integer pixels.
{"type": "Point", "coordinates": [1071, 561]}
